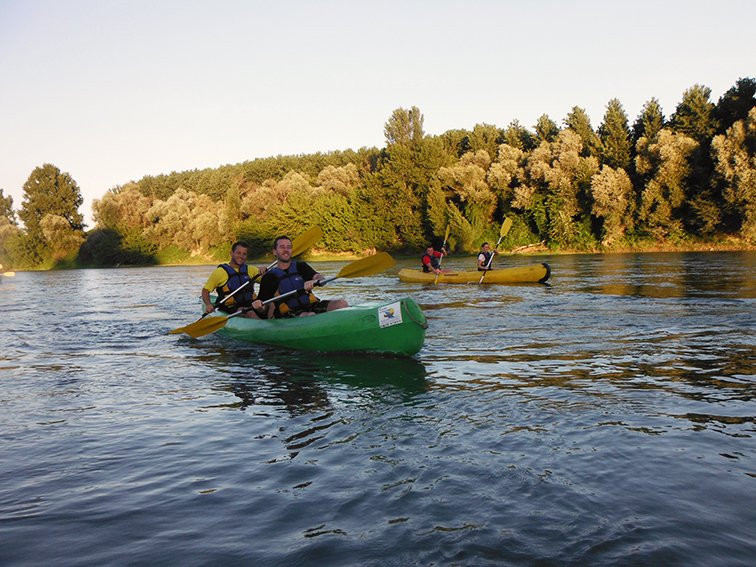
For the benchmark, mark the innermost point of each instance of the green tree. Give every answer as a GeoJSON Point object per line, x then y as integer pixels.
{"type": "Point", "coordinates": [10, 234]}
{"type": "Point", "coordinates": [649, 121]}
{"type": "Point", "coordinates": [507, 173]}
{"type": "Point", "coordinates": [735, 104]}
{"type": "Point", "coordinates": [735, 166]}
{"type": "Point", "coordinates": [666, 162]}
{"type": "Point", "coordinates": [556, 197]}
{"type": "Point", "coordinates": [60, 237]}
{"type": "Point", "coordinates": [694, 115]}
{"type": "Point", "coordinates": [455, 143]}
{"type": "Point", "coordinates": [485, 137]}
{"type": "Point", "coordinates": [577, 121]}
{"type": "Point", "coordinates": [613, 202]}
{"type": "Point", "coordinates": [518, 136]}
{"type": "Point", "coordinates": [404, 127]}
{"type": "Point", "coordinates": [48, 191]}
{"type": "Point", "coordinates": [615, 136]}
{"type": "Point", "coordinates": [123, 209]}
{"type": "Point", "coordinates": [6, 208]}
{"type": "Point", "coordinates": [473, 202]}
{"type": "Point", "coordinates": [398, 190]}
{"type": "Point", "coordinates": [546, 130]}
{"type": "Point", "coordinates": [231, 216]}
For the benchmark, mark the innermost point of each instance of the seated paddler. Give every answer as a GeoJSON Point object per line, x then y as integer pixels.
{"type": "Point", "coordinates": [289, 275]}
{"type": "Point", "coordinates": [431, 260]}
{"type": "Point", "coordinates": [233, 283]}
{"type": "Point", "coordinates": [485, 257]}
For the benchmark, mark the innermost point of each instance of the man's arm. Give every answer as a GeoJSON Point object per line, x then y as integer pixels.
{"type": "Point", "coordinates": [217, 278]}
{"type": "Point", "coordinates": [309, 275]}
{"type": "Point", "coordinates": [268, 288]}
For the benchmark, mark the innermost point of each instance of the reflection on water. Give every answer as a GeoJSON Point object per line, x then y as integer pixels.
{"type": "Point", "coordinates": [693, 275]}
{"type": "Point", "coordinates": [264, 375]}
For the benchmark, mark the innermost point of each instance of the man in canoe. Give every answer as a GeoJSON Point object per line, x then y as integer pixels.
{"type": "Point", "coordinates": [484, 258]}
{"type": "Point", "coordinates": [288, 275]}
{"type": "Point", "coordinates": [233, 283]}
{"type": "Point", "coordinates": [431, 260]}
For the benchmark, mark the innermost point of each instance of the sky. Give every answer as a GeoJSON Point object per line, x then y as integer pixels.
{"type": "Point", "coordinates": [113, 90]}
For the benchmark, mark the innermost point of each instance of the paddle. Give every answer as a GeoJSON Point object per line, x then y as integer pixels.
{"type": "Point", "coordinates": [298, 245]}
{"type": "Point", "coordinates": [363, 267]}
{"type": "Point", "coordinates": [505, 226]}
{"type": "Point", "coordinates": [441, 259]}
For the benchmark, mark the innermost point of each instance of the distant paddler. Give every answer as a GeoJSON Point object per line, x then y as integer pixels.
{"type": "Point", "coordinates": [431, 260]}
{"type": "Point", "coordinates": [485, 257]}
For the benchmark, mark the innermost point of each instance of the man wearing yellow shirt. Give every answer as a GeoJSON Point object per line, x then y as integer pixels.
{"type": "Point", "coordinates": [234, 284]}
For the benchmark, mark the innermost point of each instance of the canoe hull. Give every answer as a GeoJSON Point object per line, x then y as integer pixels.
{"type": "Point", "coordinates": [533, 273]}
{"type": "Point", "coordinates": [396, 328]}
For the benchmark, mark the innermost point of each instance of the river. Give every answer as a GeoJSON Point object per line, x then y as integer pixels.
{"type": "Point", "coordinates": [604, 418]}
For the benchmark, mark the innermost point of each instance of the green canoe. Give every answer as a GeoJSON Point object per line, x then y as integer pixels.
{"type": "Point", "coordinates": [397, 327]}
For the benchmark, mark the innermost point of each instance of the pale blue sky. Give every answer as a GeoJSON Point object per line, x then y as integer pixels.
{"type": "Point", "coordinates": [112, 90]}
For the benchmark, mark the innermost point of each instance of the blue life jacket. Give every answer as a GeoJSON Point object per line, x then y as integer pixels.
{"type": "Point", "coordinates": [235, 280]}
{"type": "Point", "coordinates": [290, 280]}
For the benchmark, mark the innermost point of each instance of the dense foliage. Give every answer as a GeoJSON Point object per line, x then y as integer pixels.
{"type": "Point", "coordinates": [692, 176]}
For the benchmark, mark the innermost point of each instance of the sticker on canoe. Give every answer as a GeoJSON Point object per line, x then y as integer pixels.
{"type": "Point", "coordinates": [390, 314]}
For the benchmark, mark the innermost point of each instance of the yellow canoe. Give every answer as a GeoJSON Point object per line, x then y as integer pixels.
{"type": "Point", "coordinates": [519, 274]}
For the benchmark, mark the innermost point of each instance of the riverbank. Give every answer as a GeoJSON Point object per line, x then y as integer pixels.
{"type": "Point", "coordinates": [725, 244]}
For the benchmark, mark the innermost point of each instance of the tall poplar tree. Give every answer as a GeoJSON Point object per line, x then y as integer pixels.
{"type": "Point", "coordinates": [546, 130]}
{"type": "Point", "coordinates": [649, 122]}
{"type": "Point", "coordinates": [579, 122]}
{"type": "Point", "coordinates": [615, 136]}
{"type": "Point", "coordinates": [694, 115]}
{"type": "Point", "coordinates": [735, 104]}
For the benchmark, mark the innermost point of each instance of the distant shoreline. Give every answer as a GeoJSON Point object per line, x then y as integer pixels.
{"type": "Point", "coordinates": [535, 251]}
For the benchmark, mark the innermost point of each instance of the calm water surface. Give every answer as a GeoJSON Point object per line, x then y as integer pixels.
{"type": "Point", "coordinates": [606, 418]}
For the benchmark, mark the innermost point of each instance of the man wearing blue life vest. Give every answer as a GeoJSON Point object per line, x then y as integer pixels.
{"type": "Point", "coordinates": [288, 275]}
{"type": "Point", "coordinates": [234, 284]}
{"type": "Point", "coordinates": [484, 258]}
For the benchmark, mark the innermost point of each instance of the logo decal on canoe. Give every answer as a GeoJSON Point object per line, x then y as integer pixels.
{"type": "Point", "coordinates": [390, 314]}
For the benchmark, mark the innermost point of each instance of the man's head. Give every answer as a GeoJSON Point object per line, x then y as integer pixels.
{"type": "Point", "coordinates": [429, 250]}
{"type": "Point", "coordinates": [239, 253]}
{"type": "Point", "coordinates": [282, 248]}
{"type": "Point", "coordinates": [485, 247]}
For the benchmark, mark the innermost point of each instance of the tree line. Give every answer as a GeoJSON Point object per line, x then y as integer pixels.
{"type": "Point", "coordinates": [689, 176]}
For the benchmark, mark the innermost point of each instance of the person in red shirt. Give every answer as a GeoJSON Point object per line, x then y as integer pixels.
{"type": "Point", "coordinates": [431, 260]}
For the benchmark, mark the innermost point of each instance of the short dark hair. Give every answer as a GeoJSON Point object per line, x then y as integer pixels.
{"type": "Point", "coordinates": [282, 237]}
{"type": "Point", "coordinates": [482, 245]}
{"type": "Point", "coordinates": [236, 245]}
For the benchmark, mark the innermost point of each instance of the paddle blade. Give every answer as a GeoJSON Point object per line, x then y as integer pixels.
{"type": "Point", "coordinates": [367, 266]}
{"type": "Point", "coordinates": [446, 234]}
{"type": "Point", "coordinates": [306, 240]}
{"type": "Point", "coordinates": [202, 327]}
{"type": "Point", "coordinates": [505, 226]}
{"type": "Point", "coordinates": [9, 274]}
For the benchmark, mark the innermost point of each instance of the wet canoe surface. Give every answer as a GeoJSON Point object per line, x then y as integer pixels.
{"type": "Point", "coordinates": [532, 273]}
